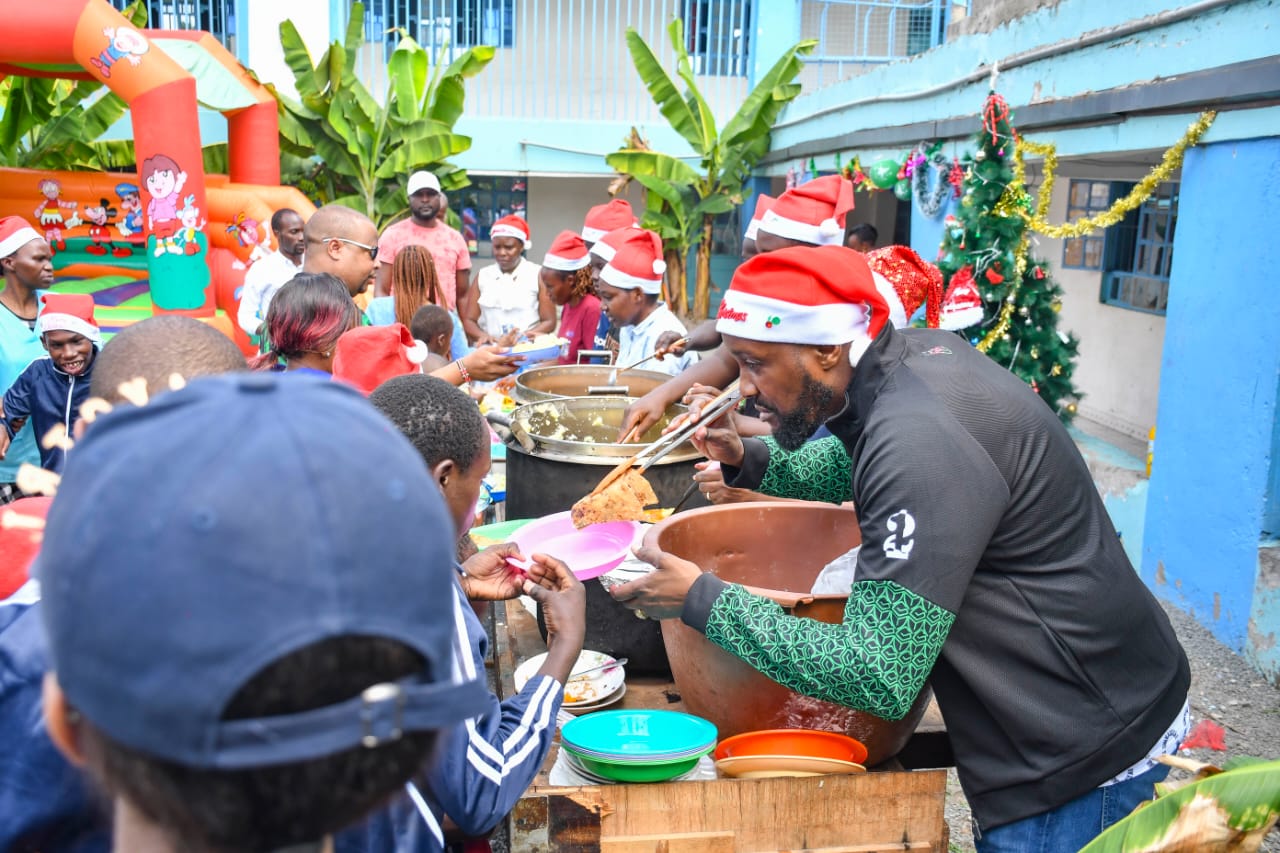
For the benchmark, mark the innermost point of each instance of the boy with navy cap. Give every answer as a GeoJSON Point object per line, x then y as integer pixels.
{"type": "Point", "coordinates": [241, 666]}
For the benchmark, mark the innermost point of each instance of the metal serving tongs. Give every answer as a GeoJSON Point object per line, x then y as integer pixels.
{"type": "Point", "coordinates": [613, 374]}
{"type": "Point", "coordinates": [658, 450]}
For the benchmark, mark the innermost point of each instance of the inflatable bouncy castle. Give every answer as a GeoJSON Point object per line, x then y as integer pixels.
{"type": "Point", "coordinates": [167, 238]}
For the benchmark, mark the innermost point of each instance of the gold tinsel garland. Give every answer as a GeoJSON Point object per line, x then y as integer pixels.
{"type": "Point", "coordinates": [1039, 221]}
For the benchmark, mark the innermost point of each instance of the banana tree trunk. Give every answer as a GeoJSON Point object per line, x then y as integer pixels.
{"type": "Point", "coordinates": [702, 288]}
{"type": "Point", "coordinates": [676, 297]}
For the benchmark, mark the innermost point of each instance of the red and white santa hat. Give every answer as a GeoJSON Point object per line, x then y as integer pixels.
{"type": "Point", "coordinates": [367, 356]}
{"type": "Point", "coordinates": [605, 247]}
{"type": "Point", "coordinates": [763, 205]}
{"type": "Point", "coordinates": [68, 312]}
{"type": "Point", "coordinates": [637, 263]}
{"type": "Point", "coordinates": [15, 232]}
{"type": "Point", "coordinates": [962, 306]}
{"type": "Point", "coordinates": [21, 526]}
{"type": "Point", "coordinates": [604, 218]}
{"type": "Point", "coordinates": [802, 295]}
{"type": "Point", "coordinates": [811, 213]}
{"type": "Point", "coordinates": [908, 282]}
{"type": "Point", "coordinates": [568, 253]}
{"type": "Point", "coordinates": [511, 226]}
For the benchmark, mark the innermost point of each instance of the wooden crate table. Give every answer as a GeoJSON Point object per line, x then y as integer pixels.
{"type": "Point", "coordinates": [887, 809]}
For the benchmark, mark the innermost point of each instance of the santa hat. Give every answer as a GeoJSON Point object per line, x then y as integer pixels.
{"type": "Point", "coordinates": [811, 213]}
{"type": "Point", "coordinates": [637, 263]}
{"type": "Point", "coordinates": [962, 306]}
{"type": "Point", "coordinates": [604, 218]}
{"type": "Point", "coordinates": [15, 232]}
{"type": "Point", "coordinates": [802, 295]}
{"type": "Point", "coordinates": [21, 525]}
{"type": "Point", "coordinates": [367, 356]}
{"type": "Point", "coordinates": [68, 312]}
{"type": "Point", "coordinates": [511, 226]}
{"type": "Point", "coordinates": [912, 281]}
{"type": "Point", "coordinates": [605, 247]}
{"type": "Point", "coordinates": [567, 253]}
{"type": "Point", "coordinates": [763, 204]}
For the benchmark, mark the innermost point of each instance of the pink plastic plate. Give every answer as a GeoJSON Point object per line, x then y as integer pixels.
{"type": "Point", "coordinates": [589, 552]}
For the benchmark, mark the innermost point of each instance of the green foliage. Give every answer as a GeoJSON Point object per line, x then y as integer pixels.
{"type": "Point", "coordinates": [358, 151]}
{"type": "Point", "coordinates": [55, 124]}
{"type": "Point", "coordinates": [984, 240]}
{"type": "Point", "coordinates": [688, 199]}
{"type": "Point", "coordinates": [1231, 810]}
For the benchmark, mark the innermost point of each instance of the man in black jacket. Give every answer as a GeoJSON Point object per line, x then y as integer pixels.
{"type": "Point", "coordinates": [988, 566]}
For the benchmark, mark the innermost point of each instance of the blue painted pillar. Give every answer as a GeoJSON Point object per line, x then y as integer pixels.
{"type": "Point", "coordinates": [1218, 389]}
{"type": "Point", "coordinates": [775, 26]}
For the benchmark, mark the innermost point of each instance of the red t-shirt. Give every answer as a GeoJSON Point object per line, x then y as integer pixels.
{"type": "Point", "coordinates": [578, 323]}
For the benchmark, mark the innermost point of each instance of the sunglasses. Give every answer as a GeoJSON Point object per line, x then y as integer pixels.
{"type": "Point", "coordinates": [372, 250]}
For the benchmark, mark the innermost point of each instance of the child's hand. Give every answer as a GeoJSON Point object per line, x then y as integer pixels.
{"type": "Point", "coordinates": [489, 577]}
{"type": "Point", "coordinates": [4, 443]}
{"type": "Point", "coordinates": [563, 600]}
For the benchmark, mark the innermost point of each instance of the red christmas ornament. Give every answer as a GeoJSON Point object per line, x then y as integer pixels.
{"type": "Point", "coordinates": [1038, 272]}
{"type": "Point", "coordinates": [956, 177]}
{"type": "Point", "coordinates": [994, 111]}
{"type": "Point", "coordinates": [993, 276]}
{"type": "Point", "coordinates": [1035, 387]}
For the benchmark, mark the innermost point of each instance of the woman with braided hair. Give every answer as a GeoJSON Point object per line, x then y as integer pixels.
{"type": "Point", "coordinates": [566, 276]}
{"type": "Point", "coordinates": [414, 283]}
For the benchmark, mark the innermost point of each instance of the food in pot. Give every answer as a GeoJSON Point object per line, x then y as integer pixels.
{"type": "Point", "coordinates": [622, 500]}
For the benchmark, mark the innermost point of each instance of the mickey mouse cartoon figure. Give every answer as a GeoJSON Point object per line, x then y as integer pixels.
{"type": "Point", "coordinates": [99, 218]}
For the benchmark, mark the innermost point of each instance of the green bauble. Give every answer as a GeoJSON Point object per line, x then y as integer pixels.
{"type": "Point", "coordinates": [902, 189]}
{"type": "Point", "coordinates": [884, 173]}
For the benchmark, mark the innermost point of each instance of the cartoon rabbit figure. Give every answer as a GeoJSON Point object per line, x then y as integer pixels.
{"type": "Point", "coordinates": [122, 43]}
{"type": "Point", "coordinates": [49, 212]}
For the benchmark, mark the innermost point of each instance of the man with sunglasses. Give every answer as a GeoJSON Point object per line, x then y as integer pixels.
{"type": "Point", "coordinates": [342, 242]}
{"type": "Point", "coordinates": [427, 227]}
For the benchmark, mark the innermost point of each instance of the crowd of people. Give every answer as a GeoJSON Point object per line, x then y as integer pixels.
{"type": "Point", "coordinates": [251, 623]}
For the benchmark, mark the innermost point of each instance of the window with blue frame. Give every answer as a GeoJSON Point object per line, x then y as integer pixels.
{"type": "Point", "coordinates": [467, 23]}
{"type": "Point", "coordinates": [1138, 255]}
{"type": "Point", "coordinates": [718, 35]}
{"type": "Point", "coordinates": [1085, 198]}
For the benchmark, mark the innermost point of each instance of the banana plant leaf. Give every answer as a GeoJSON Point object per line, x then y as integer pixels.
{"type": "Point", "coordinates": [653, 163]}
{"type": "Point", "coordinates": [664, 92]}
{"type": "Point", "coordinates": [1230, 811]}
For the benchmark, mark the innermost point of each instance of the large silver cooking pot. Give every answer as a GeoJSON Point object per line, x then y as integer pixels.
{"type": "Point", "coordinates": [585, 430]}
{"type": "Point", "coordinates": [571, 445]}
{"type": "Point", "coordinates": [581, 380]}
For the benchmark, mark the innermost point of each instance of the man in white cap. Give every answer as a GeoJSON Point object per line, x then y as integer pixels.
{"type": "Point", "coordinates": [26, 261]}
{"type": "Point", "coordinates": [427, 227]}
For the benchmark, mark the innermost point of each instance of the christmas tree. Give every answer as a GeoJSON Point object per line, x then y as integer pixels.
{"type": "Point", "coordinates": [1011, 312]}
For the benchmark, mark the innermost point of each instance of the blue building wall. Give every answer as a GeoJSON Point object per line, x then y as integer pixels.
{"type": "Point", "coordinates": [1218, 394]}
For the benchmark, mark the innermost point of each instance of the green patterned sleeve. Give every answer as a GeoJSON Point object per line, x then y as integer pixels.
{"type": "Point", "coordinates": [877, 660]}
{"type": "Point", "coordinates": [819, 471]}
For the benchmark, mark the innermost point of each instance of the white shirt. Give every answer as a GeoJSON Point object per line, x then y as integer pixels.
{"type": "Point", "coordinates": [636, 342]}
{"type": "Point", "coordinates": [261, 282]}
{"type": "Point", "coordinates": [508, 300]}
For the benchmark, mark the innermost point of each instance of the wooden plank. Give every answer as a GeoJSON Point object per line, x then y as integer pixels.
{"type": "Point", "coordinates": [684, 842]}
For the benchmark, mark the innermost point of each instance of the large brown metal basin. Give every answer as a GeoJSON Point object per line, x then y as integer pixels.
{"type": "Point", "coordinates": [777, 549]}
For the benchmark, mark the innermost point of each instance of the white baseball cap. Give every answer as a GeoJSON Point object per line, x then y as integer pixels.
{"type": "Point", "coordinates": [422, 181]}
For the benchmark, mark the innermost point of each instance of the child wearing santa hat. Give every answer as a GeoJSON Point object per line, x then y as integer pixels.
{"type": "Point", "coordinates": [50, 391]}
{"type": "Point", "coordinates": [602, 220]}
{"type": "Point", "coordinates": [566, 278]}
{"type": "Point", "coordinates": [506, 302]}
{"type": "Point", "coordinates": [629, 286]}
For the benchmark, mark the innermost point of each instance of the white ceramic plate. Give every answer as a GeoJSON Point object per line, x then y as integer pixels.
{"type": "Point", "coordinates": [595, 706]}
{"type": "Point", "coordinates": [589, 691]}
{"type": "Point", "coordinates": [771, 766]}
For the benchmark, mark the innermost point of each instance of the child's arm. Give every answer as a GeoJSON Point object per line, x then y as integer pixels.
{"type": "Point", "coordinates": [15, 408]}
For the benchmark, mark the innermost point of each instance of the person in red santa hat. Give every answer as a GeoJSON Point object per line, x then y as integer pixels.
{"type": "Point", "coordinates": [629, 288]}
{"type": "Point", "coordinates": [989, 567]}
{"type": "Point", "coordinates": [602, 220]}
{"type": "Point", "coordinates": [50, 391]}
{"type": "Point", "coordinates": [367, 356]}
{"type": "Point", "coordinates": [505, 303]}
{"type": "Point", "coordinates": [566, 279]}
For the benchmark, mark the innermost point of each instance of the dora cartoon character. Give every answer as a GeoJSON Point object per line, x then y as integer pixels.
{"type": "Point", "coordinates": [122, 43]}
{"type": "Point", "coordinates": [164, 181]}
{"type": "Point", "coordinates": [250, 234]}
{"type": "Point", "coordinates": [189, 216]}
{"type": "Point", "coordinates": [99, 218]}
{"type": "Point", "coordinates": [131, 206]}
{"type": "Point", "coordinates": [49, 212]}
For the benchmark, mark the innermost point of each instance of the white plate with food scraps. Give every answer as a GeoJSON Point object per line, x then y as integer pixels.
{"type": "Point", "coordinates": [592, 689]}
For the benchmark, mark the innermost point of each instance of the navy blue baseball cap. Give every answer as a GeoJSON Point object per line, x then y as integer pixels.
{"type": "Point", "coordinates": [203, 537]}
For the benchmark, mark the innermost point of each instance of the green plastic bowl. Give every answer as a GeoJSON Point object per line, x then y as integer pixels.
{"type": "Point", "coordinates": [637, 771]}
